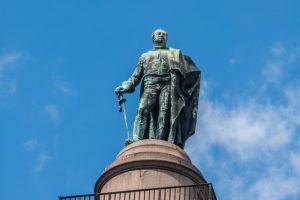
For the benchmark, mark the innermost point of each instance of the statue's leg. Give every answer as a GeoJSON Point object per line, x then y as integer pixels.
{"type": "Point", "coordinates": [147, 102]}
{"type": "Point", "coordinates": [163, 126]}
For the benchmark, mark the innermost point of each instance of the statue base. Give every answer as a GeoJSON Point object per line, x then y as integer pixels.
{"type": "Point", "coordinates": [149, 164]}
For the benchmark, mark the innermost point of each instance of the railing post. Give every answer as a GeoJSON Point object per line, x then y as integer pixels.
{"type": "Point", "coordinates": [159, 192]}
{"type": "Point", "coordinates": [209, 192]}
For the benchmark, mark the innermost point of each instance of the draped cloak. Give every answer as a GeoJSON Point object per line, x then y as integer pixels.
{"type": "Point", "coordinates": [184, 89]}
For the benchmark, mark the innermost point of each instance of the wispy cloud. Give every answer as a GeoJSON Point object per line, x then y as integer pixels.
{"type": "Point", "coordinates": [273, 71]}
{"type": "Point", "coordinates": [278, 183]}
{"type": "Point", "coordinates": [40, 162]}
{"type": "Point", "coordinates": [53, 112]}
{"type": "Point", "coordinates": [251, 146]}
{"type": "Point", "coordinates": [246, 127]}
{"type": "Point", "coordinates": [279, 64]}
{"type": "Point", "coordinates": [7, 62]}
{"type": "Point", "coordinates": [40, 152]}
{"type": "Point", "coordinates": [65, 88]}
{"type": "Point", "coordinates": [31, 144]}
{"type": "Point", "coordinates": [278, 49]}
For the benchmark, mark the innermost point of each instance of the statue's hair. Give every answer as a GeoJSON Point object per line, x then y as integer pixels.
{"type": "Point", "coordinates": [159, 29]}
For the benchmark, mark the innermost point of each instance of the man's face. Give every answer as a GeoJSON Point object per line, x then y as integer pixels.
{"type": "Point", "coordinates": [160, 37]}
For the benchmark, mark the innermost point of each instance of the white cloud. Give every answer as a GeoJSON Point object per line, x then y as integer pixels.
{"type": "Point", "coordinates": [278, 49]}
{"type": "Point", "coordinates": [65, 88]}
{"type": "Point", "coordinates": [277, 184]}
{"type": "Point", "coordinates": [251, 147]}
{"type": "Point", "coordinates": [246, 127]}
{"type": "Point", "coordinates": [252, 135]}
{"type": "Point", "coordinates": [295, 163]}
{"type": "Point", "coordinates": [279, 64]}
{"type": "Point", "coordinates": [7, 62]}
{"type": "Point", "coordinates": [30, 144]}
{"type": "Point", "coordinates": [257, 158]}
{"type": "Point", "coordinates": [40, 152]}
{"type": "Point", "coordinates": [53, 112]}
{"type": "Point", "coordinates": [294, 55]}
{"type": "Point", "coordinates": [293, 107]}
{"type": "Point", "coordinates": [40, 162]}
{"type": "Point", "coordinates": [273, 71]}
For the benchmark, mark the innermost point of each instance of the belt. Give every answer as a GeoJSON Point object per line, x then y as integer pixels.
{"type": "Point", "coordinates": [157, 78]}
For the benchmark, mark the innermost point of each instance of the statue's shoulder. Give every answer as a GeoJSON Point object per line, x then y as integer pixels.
{"type": "Point", "coordinates": [175, 52]}
{"type": "Point", "coordinates": [146, 55]}
{"type": "Point", "coordinates": [149, 52]}
{"type": "Point", "coordinates": [174, 49]}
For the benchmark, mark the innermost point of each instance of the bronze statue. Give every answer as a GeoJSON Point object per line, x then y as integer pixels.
{"type": "Point", "coordinates": [170, 83]}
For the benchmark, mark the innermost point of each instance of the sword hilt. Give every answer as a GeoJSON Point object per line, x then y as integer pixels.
{"type": "Point", "coordinates": [121, 100]}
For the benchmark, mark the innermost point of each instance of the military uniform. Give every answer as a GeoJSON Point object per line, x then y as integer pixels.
{"type": "Point", "coordinates": [153, 68]}
{"type": "Point", "coordinates": [169, 96]}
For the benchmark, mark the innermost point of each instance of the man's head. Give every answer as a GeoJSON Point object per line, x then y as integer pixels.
{"type": "Point", "coordinates": [159, 38]}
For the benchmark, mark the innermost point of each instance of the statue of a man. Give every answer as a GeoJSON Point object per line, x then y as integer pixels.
{"type": "Point", "coordinates": [170, 83]}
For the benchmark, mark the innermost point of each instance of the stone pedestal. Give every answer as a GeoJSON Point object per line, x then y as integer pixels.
{"type": "Point", "coordinates": [149, 164]}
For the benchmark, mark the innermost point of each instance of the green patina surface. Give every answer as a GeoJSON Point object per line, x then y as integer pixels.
{"type": "Point", "coordinates": [170, 83]}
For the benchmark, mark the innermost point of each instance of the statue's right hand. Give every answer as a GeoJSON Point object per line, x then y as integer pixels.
{"type": "Point", "coordinates": [126, 87]}
{"type": "Point", "coordinates": [119, 90]}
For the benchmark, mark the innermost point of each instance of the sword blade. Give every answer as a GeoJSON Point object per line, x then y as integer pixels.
{"type": "Point", "coordinates": [125, 119]}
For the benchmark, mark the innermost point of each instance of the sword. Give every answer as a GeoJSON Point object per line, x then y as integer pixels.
{"type": "Point", "coordinates": [122, 109]}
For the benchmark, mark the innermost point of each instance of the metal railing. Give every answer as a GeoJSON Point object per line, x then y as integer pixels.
{"type": "Point", "coordinates": [188, 192]}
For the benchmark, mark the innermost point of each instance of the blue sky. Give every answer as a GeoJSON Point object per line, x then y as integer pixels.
{"type": "Point", "coordinates": [61, 60]}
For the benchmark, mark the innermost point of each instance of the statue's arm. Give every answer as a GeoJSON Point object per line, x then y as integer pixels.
{"type": "Point", "coordinates": [136, 77]}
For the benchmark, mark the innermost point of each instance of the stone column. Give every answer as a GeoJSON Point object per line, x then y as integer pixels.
{"type": "Point", "coordinates": [149, 164]}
